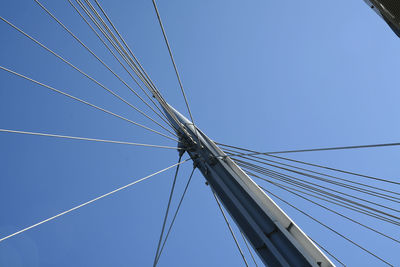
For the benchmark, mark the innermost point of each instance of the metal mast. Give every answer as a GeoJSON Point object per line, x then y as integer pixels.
{"type": "Point", "coordinates": [389, 10]}
{"type": "Point", "coordinates": [273, 235]}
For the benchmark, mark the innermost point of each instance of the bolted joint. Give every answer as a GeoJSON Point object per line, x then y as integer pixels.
{"type": "Point", "coordinates": [186, 144]}
{"type": "Point", "coordinates": [212, 160]}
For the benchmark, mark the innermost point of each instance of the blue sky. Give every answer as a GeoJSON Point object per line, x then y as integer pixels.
{"type": "Point", "coordinates": [265, 75]}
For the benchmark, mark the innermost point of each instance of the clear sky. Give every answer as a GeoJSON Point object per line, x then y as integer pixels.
{"type": "Point", "coordinates": [261, 74]}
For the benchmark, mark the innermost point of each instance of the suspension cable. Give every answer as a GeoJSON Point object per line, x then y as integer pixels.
{"type": "Point", "coordinates": [327, 251]}
{"type": "Point", "coordinates": [315, 165]}
{"type": "Point", "coordinates": [332, 200]}
{"type": "Point", "coordinates": [338, 203]}
{"type": "Point", "coordinates": [337, 170]}
{"type": "Point", "coordinates": [307, 183]}
{"type": "Point", "coordinates": [85, 74]}
{"type": "Point", "coordinates": [313, 149]}
{"type": "Point", "coordinates": [351, 187]}
{"type": "Point", "coordinates": [248, 248]}
{"type": "Point", "coordinates": [329, 228]}
{"type": "Point", "coordinates": [125, 56]}
{"type": "Point", "coordinates": [108, 33]}
{"type": "Point", "coordinates": [163, 117]}
{"type": "Point", "coordinates": [87, 139]}
{"type": "Point", "coordinates": [176, 213]}
{"type": "Point", "coordinates": [87, 103]}
{"type": "Point", "coordinates": [126, 45]}
{"type": "Point", "coordinates": [348, 202]}
{"type": "Point", "coordinates": [99, 59]}
{"type": "Point", "coordinates": [166, 213]}
{"type": "Point", "coordinates": [230, 228]}
{"type": "Point", "coordinates": [90, 201]}
{"type": "Point", "coordinates": [175, 67]}
{"type": "Point", "coordinates": [104, 29]}
{"type": "Point", "coordinates": [315, 172]}
{"type": "Point", "coordinates": [287, 189]}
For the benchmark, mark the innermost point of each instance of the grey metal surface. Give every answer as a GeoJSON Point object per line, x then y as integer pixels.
{"type": "Point", "coordinates": [389, 10]}
{"type": "Point", "coordinates": [273, 235]}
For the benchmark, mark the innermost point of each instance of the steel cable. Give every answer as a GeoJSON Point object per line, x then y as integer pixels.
{"type": "Point", "coordinates": [328, 252]}
{"type": "Point", "coordinates": [350, 204]}
{"type": "Point", "coordinates": [88, 202]}
{"type": "Point", "coordinates": [167, 212]}
{"type": "Point", "coordinates": [315, 165]}
{"type": "Point", "coordinates": [87, 139]}
{"type": "Point", "coordinates": [126, 45]}
{"type": "Point", "coordinates": [229, 152]}
{"type": "Point", "coordinates": [318, 185]}
{"type": "Point", "coordinates": [122, 53]}
{"type": "Point", "coordinates": [230, 229]}
{"type": "Point", "coordinates": [99, 59]}
{"type": "Point", "coordinates": [352, 187]}
{"type": "Point", "coordinates": [175, 68]}
{"type": "Point", "coordinates": [176, 213]}
{"type": "Point", "coordinates": [331, 229]}
{"type": "Point", "coordinates": [311, 150]}
{"type": "Point", "coordinates": [85, 74]}
{"type": "Point", "coordinates": [86, 103]}
{"type": "Point", "coordinates": [288, 189]}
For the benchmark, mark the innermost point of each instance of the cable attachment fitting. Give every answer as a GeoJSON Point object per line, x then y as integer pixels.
{"type": "Point", "coordinates": [212, 160]}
